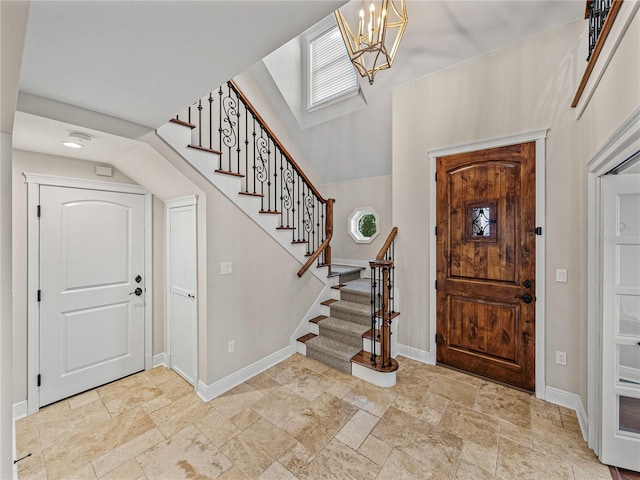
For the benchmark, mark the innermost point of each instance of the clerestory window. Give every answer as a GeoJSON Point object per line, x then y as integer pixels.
{"type": "Point", "coordinates": [331, 76]}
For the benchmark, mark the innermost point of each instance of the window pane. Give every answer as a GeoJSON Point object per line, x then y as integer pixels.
{"type": "Point", "coordinates": [331, 72]}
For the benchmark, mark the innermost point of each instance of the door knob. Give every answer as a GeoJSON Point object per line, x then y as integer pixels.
{"type": "Point", "coordinates": [137, 291]}
{"type": "Point", "coordinates": [526, 298]}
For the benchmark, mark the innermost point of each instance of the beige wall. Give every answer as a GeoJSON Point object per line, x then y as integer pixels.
{"type": "Point", "coordinates": [261, 303]}
{"type": "Point", "coordinates": [522, 88]}
{"type": "Point", "coordinates": [32, 162]}
{"type": "Point", "coordinates": [368, 192]}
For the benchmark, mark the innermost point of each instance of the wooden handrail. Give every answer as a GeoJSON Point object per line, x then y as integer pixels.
{"type": "Point", "coordinates": [325, 245]}
{"type": "Point", "coordinates": [290, 159]}
{"type": "Point", "coordinates": [387, 244]}
{"type": "Point", "coordinates": [283, 188]}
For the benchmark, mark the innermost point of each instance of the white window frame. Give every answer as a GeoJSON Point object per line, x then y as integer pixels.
{"type": "Point", "coordinates": [354, 224]}
{"type": "Point", "coordinates": [308, 37]}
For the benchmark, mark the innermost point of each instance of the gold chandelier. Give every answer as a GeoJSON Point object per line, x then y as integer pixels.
{"type": "Point", "coordinates": [374, 46]}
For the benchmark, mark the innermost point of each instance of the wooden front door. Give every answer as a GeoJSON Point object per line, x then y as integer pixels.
{"type": "Point", "coordinates": [486, 263]}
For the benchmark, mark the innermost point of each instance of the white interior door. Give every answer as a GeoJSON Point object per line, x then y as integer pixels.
{"type": "Point", "coordinates": [621, 322]}
{"type": "Point", "coordinates": [182, 287]}
{"type": "Point", "coordinates": [91, 322]}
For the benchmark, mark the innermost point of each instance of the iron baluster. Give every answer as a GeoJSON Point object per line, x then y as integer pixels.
{"type": "Point", "coordinates": [220, 127]}
{"type": "Point", "coordinates": [210, 121]}
{"type": "Point", "coordinates": [280, 205]}
{"type": "Point", "coordinates": [238, 149]}
{"type": "Point", "coordinates": [269, 176]}
{"type": "Point", "coordinates": [255, 171]}
{"type": "Point", "coordinates": [199, 123]}
{"type": "Point", "coordinates": [229, 133]}
{"type": "Point", "coordinates": [246, 150]}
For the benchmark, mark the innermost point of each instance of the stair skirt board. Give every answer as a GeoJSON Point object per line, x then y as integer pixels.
{"type": "Point", "coordinates": [178, 138]}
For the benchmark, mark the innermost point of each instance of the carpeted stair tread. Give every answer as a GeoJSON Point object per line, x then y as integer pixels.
{"type": "Point", "coordinates": [331, 352]}
{"type": "Point", "coordinates": [343, 331]}
{"type": "Point", "coordinates": [361, 285]}
{"type": "Point", "coordinates": [357, 291]}
{"type": "Point", "coordinates": [351, 311]}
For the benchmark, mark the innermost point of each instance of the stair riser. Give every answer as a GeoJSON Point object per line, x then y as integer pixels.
{"type": "Point", "coordinates": [356, 298]}
{"type": "Point", "coordinates": [347, 277]}
{"type": "Point", "coordinates": [338, 364]}
{"type": "Point", "coordinates": [350, 316]}
{"type": "Point", "coordinates": [353, 340]}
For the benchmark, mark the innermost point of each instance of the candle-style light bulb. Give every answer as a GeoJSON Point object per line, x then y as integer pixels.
{"type": "Point", "coordinates": [372, 14]}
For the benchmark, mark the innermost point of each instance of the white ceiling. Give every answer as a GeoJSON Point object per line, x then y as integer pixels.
{"type": "Point", "coordinates": [143, 61]}
{"type": "Point", "coordinates": [439, 34]}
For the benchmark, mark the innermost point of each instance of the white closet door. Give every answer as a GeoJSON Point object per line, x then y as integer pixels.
{"type": "Point", "coordinates": [621, 322]}
{"type": "Point", "coordinates": [91, 319]}
{"type": "Point", "coordinates": [182, 288]}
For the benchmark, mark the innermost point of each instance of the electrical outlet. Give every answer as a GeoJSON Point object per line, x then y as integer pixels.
{"type": "Point", "coordinates": [561, 275]}
{"type": "Point", "coordinates": [231, 346]}
{"type": "Point", "coordinates": [561, 358]}
{"type": "Point", "coordinates": [225, 268]}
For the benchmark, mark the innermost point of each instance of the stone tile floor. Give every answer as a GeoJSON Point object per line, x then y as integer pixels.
{"type": "Point", "coordinates": [301, 419]}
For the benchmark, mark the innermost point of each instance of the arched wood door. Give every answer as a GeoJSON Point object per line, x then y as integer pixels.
{"type": "Point", "coordinates": [486, 263]}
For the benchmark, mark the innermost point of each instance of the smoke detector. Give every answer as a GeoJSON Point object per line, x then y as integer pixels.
{"type": "Point", "coordinates": [76, 140]}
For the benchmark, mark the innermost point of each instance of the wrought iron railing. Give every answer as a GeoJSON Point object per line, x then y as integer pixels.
{"type": "Point", "coordinates": [224, 122]}
{"type": "Point", "coordinates": [597, 11]}
{"type": "Point", "coordinates": [382, 302]}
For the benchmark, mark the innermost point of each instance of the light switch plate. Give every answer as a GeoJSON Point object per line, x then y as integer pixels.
{"type": "Point", "coordinates": [561, 275]}
{"type": "Point", "coordinates": [225, 268]}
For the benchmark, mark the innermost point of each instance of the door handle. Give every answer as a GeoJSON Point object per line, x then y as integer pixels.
{"type": "Point", "coordinates": [526, 298]}
{"type": "Point", "coordinates": [137, 291]}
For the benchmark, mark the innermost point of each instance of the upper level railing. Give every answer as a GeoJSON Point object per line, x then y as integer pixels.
{"type": "Point", "coordinates": [225, 123]}
{"type": "Point", "coordinates": [596, 13]}
{"type": "Point", "coordinates": [382, 302]}
{"type": "Point", "coordinates": [601, 14]}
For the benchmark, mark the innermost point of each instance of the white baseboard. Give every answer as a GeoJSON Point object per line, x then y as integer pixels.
{"type": "Point", "coordinates": [416, 354]}
{"type": "Point", "coordinates": [572, 401]}
{"type": "Point", "coordinates": [161, 359]}
{"type": "Point", "coordinates": [20, 410]}
{"type": "Point", "coordinates": [209, 392]}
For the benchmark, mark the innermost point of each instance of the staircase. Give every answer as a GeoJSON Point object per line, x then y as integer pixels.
{"type": "Point", "coordinates": [226, 140]}
{"type": "Point", "coordinates": [356, 333]}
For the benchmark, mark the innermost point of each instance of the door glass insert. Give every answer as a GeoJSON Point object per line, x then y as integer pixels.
{"type": "Point", "coordinates": [629, 274]}
{"type": "Point", "coordinates": [481, 222]}
{"type": "Point", "coordinates": [629, 364]}
{"type": "Point", "coordinates": [629, 415]}
{"type": "Point", "coordinates": [629, 315]}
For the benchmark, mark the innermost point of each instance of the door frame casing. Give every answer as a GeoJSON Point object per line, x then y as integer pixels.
{"type": "Point", "coordinates": [34, 181]}
{"type": "Point", "coordinates": [191, 200]}
{"type": "Point", "coordinates": [539, 137]}
{"type": "Point", "coordinates": [620, 146]}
